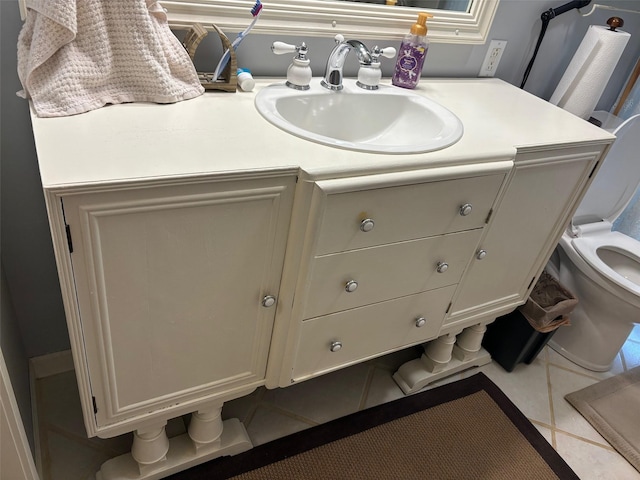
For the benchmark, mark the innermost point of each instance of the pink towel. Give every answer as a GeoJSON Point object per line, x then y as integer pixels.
{"type": "Point", "coordinates": [79, 55]}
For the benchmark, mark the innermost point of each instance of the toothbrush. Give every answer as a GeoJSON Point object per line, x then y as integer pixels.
{"type": "Point", "coordinates": [255, 11]}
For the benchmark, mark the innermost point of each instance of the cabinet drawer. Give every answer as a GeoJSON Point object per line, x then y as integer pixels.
{"type": "Point", "coordinates": [387, 272]}
{"type": "Point", "coordinates": [406, 212]}
{"type": "Point", "coordinates": [369, 331]}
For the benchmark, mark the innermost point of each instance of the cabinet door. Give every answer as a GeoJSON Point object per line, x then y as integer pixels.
{"type": "Point", "coordinates": [541, 196]}
{"type": "Point", "coordinates": [170, 282]}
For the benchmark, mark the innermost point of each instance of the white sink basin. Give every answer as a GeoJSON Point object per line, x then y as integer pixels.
{"type": "Point", "coordinates": [387, 120]}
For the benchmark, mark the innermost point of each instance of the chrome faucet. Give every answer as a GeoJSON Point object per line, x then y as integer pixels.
{"type": "Point", "coordinates": [333, 73]}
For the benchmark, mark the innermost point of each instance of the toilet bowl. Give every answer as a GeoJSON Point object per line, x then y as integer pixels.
{"type": "Point", "coordinates": [599, 266]}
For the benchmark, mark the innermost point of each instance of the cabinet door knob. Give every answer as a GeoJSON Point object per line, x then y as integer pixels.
{"type": "Point", "coordinates": [335, 346]}
{"type": "Point", "coordinates": [481, 254]}
{"type": "Point", "coordinates": [466, 209]}
{"type": "Point", "coordinates": [351, 286]}
{"type": "Point", "coordinates": [421, 322]}
{"type": "Point", "coordinates": [269, 301]}
{"type": "Point", "coordinates": [367, 225]}
{"type": "Point", "coordinates": [442, 267]}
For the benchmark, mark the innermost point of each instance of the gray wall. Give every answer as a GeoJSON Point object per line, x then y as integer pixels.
{"type": "Point", "coordinates": [11, 339]}
{"type": "Point", "coordinates": [27, 253]}
{"type": "Point", "coordinates": [517, 21]}
{"type": "Point", "coordinates": [15, 358]}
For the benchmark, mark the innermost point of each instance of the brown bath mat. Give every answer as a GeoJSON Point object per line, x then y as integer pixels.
{"type": "Point", "coordinates": [464, 430]}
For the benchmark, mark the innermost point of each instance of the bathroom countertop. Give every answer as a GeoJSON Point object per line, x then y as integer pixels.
{"type": "Point", "coordinates": [220, 132]}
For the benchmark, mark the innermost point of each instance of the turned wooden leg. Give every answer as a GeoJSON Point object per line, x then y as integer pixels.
{"type": "Point", "coordinates": [150, 447]}
{"type": "Point", "coordinates": [442, 357]}
{"type": "Point", "coordinates": [437, 353]}
{"type": "Point", "coordinates": [153, 456]}
{"type": "Point", "coordinates": [206, 426]}
{"type": "Point", "coordinates": [469, 342]}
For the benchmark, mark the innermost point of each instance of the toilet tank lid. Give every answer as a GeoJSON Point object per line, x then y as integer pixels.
{"type": "Point", "coordinates": [617, 179]}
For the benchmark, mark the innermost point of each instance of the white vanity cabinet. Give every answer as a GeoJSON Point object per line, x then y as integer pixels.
{"type": "Point", "coordinates": [176, 289]}
{"type": "Point", "coordinates": [543, 190]}
{"type": "Point", "coordinates": [198, 262]}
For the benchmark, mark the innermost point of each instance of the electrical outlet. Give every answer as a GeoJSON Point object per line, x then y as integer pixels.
{"type": "Point", "coordinates": [491, 61]}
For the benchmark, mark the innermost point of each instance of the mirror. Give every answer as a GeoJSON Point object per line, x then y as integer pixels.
{"type": "Point", "coordinates": [456, 5]}
{"type": "Point", "coordinates": [462, 21]}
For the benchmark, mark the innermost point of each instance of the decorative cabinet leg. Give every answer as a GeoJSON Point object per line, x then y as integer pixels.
{"type": "Point", "coordinates": [443, 357]}
{"type": "Point", "coordinates": [150, 447]}
{"type": "Point", "coordinates": [469, 342]}
{"type": "Point", "coordinates": [153, 456]}
{"type": "Point", "coordinates": [206, 427]}
{"type": "Point", "coordinates": [437, 353]}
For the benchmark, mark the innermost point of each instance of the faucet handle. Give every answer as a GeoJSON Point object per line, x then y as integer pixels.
{"type": "Point", "coordinates": [280, 48]}
{"type": "Point", "coordinates": [369, 75]}
{"type": "Point", "coordinates": [387, 52]}
{"type": "Point", "coordinates": [299, 73]}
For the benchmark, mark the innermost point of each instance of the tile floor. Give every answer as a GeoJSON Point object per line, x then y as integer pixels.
{"type": "Point", "coordinates": [537, 389]}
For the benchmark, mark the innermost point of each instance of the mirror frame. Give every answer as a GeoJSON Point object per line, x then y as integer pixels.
{"type": "Point", "coordinates": [326, 18]}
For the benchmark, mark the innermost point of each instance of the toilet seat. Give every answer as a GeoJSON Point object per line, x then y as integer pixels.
{"type": "Point", "coordinates": [592, 224]}
{"type": "Point", "coordinates": [587, 247]}
{"type": "Point", "coordinates": [616, 181]}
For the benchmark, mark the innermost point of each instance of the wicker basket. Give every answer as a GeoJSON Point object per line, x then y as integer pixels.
{"type": "Point", "coordinates": [549, 304]}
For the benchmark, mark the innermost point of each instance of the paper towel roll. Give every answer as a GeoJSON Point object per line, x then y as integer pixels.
{"type": "Point", "coordinates": [591, 67]}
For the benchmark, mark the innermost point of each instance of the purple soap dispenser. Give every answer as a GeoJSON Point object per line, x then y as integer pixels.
{"type": "Point", "coordinates": [413, 50]}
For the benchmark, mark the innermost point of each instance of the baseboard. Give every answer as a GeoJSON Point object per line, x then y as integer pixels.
{"type": "Point", "coordinates": [41, 367]}
{"type": "Point", "coordinates": [51, 364]}
{"type": "Point", "coordinates": [19, 464]}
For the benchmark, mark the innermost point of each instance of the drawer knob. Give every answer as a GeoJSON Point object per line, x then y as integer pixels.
{"type": "Point", "coordinates": [269, 301]}
{"type": "Point", "coordinates": [335, 346]}
{"type": "Point", "coordinates": [367, 225]}
{"type": "Point", "coordinates": [442, 267]}
{"type": "Point", "coordinates": [351, 286]}
{"type": "Point", "coordinates": [466, 209]}
{"type": "Point", "coordinates": [481, 254]}
{"type": "Point", "coordinates": [421, 322]}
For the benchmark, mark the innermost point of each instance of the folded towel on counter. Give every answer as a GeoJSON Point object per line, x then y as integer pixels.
{"type": "Point", "coordinates": [79, 55]}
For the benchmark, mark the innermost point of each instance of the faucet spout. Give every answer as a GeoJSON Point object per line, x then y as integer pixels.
{"type": "Point", "coordinates": [333, 73]}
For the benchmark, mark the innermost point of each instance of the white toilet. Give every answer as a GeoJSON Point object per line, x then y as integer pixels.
{"type": "Point", "coordinates": [599, 266]}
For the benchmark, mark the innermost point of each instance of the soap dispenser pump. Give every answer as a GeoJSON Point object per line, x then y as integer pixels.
{"type": "Point", "coordinates": [413, 51]}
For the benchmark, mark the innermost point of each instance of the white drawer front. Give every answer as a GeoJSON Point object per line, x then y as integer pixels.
{"type": "Point", "coordinates": [369, 331]}
{"type": "Point", "coordinates": [405, 212]}
{"type": "Point", "coordinates": [387, 272]}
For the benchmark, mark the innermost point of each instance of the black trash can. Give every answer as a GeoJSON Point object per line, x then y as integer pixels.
{"type": "Point", "coordinates": [520, 335]}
